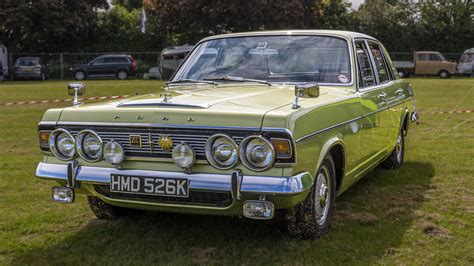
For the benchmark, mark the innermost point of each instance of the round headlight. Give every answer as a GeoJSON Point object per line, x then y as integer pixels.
{"type": "Point", "coordinates": [113, 152]}
{"type": "Point", "coordinates": [221, 151]}
{"type": "Point", "coordinates": [62, 144]}
{"type": "Point", "coordinates": [257, 153]}
{"type": "Point", "coordinates": [183, 156]}
{"type": "Point", "coordinates": [89, 145]}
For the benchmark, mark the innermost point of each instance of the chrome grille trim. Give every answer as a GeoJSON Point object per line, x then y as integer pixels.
{"type": "Point", "coordinates": [153, 150]}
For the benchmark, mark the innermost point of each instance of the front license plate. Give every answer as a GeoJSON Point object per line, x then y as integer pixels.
{"type": "Point", "coordinates": [170, 187]}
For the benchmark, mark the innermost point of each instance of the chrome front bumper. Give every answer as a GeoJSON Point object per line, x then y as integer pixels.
{"type": "Point", "coordinates": [236, 183]}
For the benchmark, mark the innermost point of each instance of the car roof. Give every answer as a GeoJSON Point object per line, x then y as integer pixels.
{"type": "Point", "coordinates": [337, 33]}
{"type": "Point", "coordinates": [113, 55]}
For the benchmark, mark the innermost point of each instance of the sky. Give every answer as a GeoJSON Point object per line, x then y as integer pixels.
{"type": "Point", "coordinates": [356, 3]}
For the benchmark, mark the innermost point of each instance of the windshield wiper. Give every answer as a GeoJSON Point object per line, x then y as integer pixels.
{"type": "Point", "coordinates": [240, 79]}
{"type": "Point", "coordinates": [191, 81]}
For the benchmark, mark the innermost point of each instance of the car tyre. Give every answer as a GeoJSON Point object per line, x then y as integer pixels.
{"type": "Point", "coordinates": [79, 75]}
{"type": "Point", "coordinates": [122, 74]}
{"type": "Point", "coordinates": [444, 74]}
{"type": "Point", "coordinates": [313, 217]}
{"type": "Point", "coordinates": [396, 158]}
{"type": "Point", "coordinates": [105, 211]}
{"type": "Point", "coordinates": [403, 74]}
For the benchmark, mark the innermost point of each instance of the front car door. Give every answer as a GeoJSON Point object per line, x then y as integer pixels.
{"type": "Point", "coordinates": [422, 64]}
{"type": "Point", "coordinates": [96, 67]}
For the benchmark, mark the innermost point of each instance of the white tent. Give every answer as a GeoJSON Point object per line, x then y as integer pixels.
{"type": "Point", "coordinates": [4, 59]}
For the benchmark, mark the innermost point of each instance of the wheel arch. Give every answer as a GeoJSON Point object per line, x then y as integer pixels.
{"type": "Point", "coordinates": [336, 147]}
{"type": "Point", "coordinates": [404, 121]}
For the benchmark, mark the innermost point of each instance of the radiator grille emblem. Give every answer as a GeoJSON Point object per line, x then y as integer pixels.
{"type": "Point", "coordinates": [136, 141]}
{"type": "Point", "coordinates": [165, 142]}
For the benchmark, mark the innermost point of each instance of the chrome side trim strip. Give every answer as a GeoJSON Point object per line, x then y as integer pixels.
{"type": "Point", "coordinates": [308, 136]}
{"type": "Point", "coordinates": [156, 125]}
{"type": "Point", "coordinates": [274, 185]}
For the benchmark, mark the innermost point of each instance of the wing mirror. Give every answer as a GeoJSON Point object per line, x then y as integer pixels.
{"type": "Point", "coordinates": [305, 91]}
{"type": "Point", "coordinates": [76, 89]}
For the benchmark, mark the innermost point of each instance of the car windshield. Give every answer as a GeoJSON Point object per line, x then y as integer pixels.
{"type": "Point", "coordinates": [27, 61]}
{"type": "Point", "coordinates": [285, 59]}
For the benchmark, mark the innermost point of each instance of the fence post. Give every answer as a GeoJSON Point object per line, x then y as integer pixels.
{"type": "Point", "coordinates": [10, 66]}
{"type": "Point", "coordinates": [61, 63]}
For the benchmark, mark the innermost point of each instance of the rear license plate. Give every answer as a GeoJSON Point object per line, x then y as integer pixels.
{"type": "Point", "coordinates": [145, 185]}
{"type": "Point", "coordinates": [27, 69]}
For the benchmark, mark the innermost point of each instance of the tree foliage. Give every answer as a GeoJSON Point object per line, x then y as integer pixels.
{"type": "Point", "coordinates": [53, 25]}
{"type": "Point", "coordinates": [89, 26]}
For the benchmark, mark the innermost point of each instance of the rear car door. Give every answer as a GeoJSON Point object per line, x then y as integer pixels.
{"type": "Point", "coordinates": [372, 97]}
{"type": "Point", "coordinates": [394, 92]}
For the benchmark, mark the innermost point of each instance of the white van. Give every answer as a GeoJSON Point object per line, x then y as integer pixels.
{"type": "Point", "coordinates": [4, 60]}
{"type": "Point", "coordinates": [466, 62]}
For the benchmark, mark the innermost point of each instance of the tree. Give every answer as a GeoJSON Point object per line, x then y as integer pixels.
{"type": "Point", "coordinates": [187, 21]}
{"type": "Point", "coordinates": [47, 25]}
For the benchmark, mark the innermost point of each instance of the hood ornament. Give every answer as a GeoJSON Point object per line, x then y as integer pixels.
{"type": "Point", "coordinates": [166, 96]}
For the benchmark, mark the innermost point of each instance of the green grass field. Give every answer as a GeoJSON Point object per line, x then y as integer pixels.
{"type": "Point", "coordinates": [422, 213]}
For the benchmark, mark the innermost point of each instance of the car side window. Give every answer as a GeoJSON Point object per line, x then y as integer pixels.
{"type": "Point", "coordinates": [421, 57]}
{"type": "Point", "coordinates": [366, 74]}
{"type": "Point", "coordinates": [380, 64]}
{"type": "Point", "coordinates": [99, 61]}
{"type": "Point", "coordinates": [434, 57]}
{"type": "Point", "coordinates": [120, 60]}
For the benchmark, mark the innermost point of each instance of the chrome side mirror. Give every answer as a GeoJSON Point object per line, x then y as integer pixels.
{"type": "Point", "coordinates": [305, 91]}
{"type": "Point", "coordinates": [76, 89]}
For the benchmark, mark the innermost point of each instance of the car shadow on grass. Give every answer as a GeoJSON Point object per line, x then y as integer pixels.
{"type": "Point", "coordinates": [370, 221]}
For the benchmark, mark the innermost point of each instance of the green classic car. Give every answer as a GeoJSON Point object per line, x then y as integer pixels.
{"type": "Point", "coordinates": [266, 125]}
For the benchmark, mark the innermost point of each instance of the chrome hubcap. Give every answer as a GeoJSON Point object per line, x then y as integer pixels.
{"type": "Point", "coordinates": [399, 147]}
{"type": "Point", "coordinates": [122, 75]}
{"type": "Point", "coordinates": [322, 195]}
{"type": "Point", "coordinates": [79, 75]}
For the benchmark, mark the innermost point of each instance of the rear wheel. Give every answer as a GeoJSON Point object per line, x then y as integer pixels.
{"type": "Point", "coordinates": [396, 158]}
{"type": "Point", "coordinates": [402, 74]}
{"type": "Point", "coordinates": [80, 75]}
{"type": "Point", "coordinates": [122, 74]}
{"type": "Point", "coordinates": [313, 217]}
{"type": "Point", "coordinates": [105, 211]}
{"type": "Point", "coordinates": [444, 74]}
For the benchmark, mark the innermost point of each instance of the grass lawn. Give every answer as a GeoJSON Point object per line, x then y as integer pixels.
{"type": "Point", "coordinates": [422, 213]}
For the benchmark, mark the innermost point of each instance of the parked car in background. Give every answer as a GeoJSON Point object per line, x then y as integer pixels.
{"type": "Point", "coordinates": [426, 63]}
{"type": "Point", "coordinates": [171, 59]}
{"type": "Point", "coordinates": [264, 125]}
{"type": "Point", "coordinates": [466, 63]}
{"type": "Point", "coordinates": [154, 73]}
{"type": "Point", "coordinates": [30, 68]}
{"type": "Point", "coordinates": [114, 65]}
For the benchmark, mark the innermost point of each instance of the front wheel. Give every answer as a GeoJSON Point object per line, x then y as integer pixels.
{"type": "Point", "coordinates": [79, 75]}
{"type": "Point", "coordinates": [444, 74]}
{"type": "Point", "coordinates": [105, 211]}
{"type": "Point", "coordinates": [313, 217]}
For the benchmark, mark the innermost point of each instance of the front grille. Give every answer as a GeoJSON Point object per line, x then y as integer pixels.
{"type": "Point", "coordinates": [200, 198]}
{"type": "Point", "coordinates": [150, 137]}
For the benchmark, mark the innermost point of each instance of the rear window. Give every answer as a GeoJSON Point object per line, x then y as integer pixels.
{"type": "Point", "coordinates": [467, 58]}
{"type": "Point", "coordinates": [116, 60]}
{"type": "Point", "coordinates": [27, 61]}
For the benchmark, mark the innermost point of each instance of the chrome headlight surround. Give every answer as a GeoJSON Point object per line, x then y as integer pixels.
{"type": "Point", "coordinates": [184, 156]}
{"type": "Point", "coordinates": [80, 146]}
{"type": "Point", "coordinates": [211, 156]}
{"type": "Point", "coordinates": [244, 155]}
{"type": "Point", "coordinates": [54, 146]}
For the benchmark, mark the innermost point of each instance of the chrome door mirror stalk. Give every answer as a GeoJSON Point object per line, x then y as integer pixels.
{"type": "Point", "coordinates": [305, 91]}
{"type": "Point", "coordinates": [76, 89]}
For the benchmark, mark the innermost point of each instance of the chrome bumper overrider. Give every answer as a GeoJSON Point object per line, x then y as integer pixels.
{"type": "Point", "coordinates": [268, 185]}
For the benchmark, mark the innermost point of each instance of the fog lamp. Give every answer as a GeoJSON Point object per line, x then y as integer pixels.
{"type": "Point", "coordinates": [113, 152]}
{"type": "Point", "coordinates": [258, 209]}
{"type": "Point", "coordinates": [183, 156]}
{"type": "Point", "coordinates": [63, 194]}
